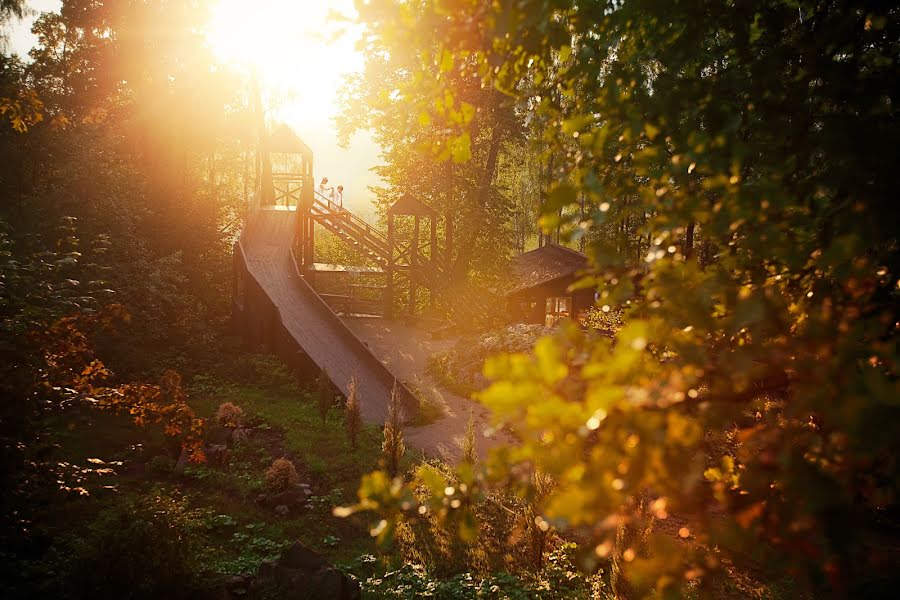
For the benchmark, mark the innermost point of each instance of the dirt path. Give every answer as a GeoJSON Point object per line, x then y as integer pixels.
{"type": "Point", "coordinates": [405, 351]}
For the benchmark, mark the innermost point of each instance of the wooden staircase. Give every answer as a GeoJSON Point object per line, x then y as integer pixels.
{"type": "Point", "coordinates": [373, 244]}
{"type": "Point", "coordinates": [465, 306]}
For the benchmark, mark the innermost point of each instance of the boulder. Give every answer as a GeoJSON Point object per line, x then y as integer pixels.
{"type": "Point", "coordinates": [216, 455]}
{"type": "Point", "coordinates": [183, 459]}
{"type": "Point", "coordinates": [220, 435]}
{"type": "Point", "coordinates": [282, 510]}
{"type": "Point", "coordinates": [294, 498]}
{"type": "Point", "coordinates": [302, 574]}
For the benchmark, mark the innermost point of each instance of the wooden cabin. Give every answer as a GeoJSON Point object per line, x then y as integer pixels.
{"type": "Point", "coordinates": [539, 291]}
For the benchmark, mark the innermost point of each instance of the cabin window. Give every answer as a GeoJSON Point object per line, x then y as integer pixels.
{"type": "Point", "coordinates": [527, 309]}
{"type": "Point", "coordinates": [558, 307]}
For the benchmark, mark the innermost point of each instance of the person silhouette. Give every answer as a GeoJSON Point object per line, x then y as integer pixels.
{"type": "Point", "coordinates": [339, 196]}
{"type": "Point", "coordinates": [324, 190]}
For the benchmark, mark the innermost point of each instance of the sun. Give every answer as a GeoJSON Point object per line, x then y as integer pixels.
{"type": "Point", "coordinates": [298, 52]}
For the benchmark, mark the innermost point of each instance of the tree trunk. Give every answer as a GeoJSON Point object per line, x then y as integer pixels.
{"type": "Point", "coordinates": [689, 241]}
{"type": "Point", "coordinates": [581, 220]}
{"type": "Point", "coordinates": [467, 250]}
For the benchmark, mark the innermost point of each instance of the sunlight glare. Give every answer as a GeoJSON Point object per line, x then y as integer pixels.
{"type": "Point", "coordinates": [295, 49]}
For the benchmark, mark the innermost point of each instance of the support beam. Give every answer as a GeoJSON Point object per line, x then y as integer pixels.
{"type": "Point", "coordinates": [389, 291]}
{"type": "Point", "coordinates": [433, 256]}
{"type": "Point", "coordinates": [413, 257]}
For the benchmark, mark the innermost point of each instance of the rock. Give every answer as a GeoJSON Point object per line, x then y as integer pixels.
{"type": "Point", "coordinates": [217, 455]}
{"type": "Point", "coordinates": [238, 585]}
{"type": "Point", "coordinates": [239, 435]}
{"type": "Point", "coordinates": [301, 557]}
{"type": "Point", "coordinates": [294, 498]}
{"type": "Point", "coordinates": [301, 574]}
{"type": "Point", "coordinates": [282, 510]}
{"type": "Point", "coordinates": [221, 435]}
{"type": "Point", "coordinates": [182, 460]}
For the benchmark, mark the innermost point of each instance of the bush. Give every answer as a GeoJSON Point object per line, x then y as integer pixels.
{"type": "Point", "coordinates": [459, 368]}
{"type": "Point", "coordinates": [229, 415]}
{"type": "Point", "coordinates": [352, 418]}
{"type": "Point", "coordinates": [324, 394]}
{"type": "Point", "coordinates": [392, 447]}
{"type": "Point", "coordinates": [264, 370]}
{"type": "Point", "coordinates": [281, 476]}
{"type": "Point", "coordinates": [161, 464]}
{"type": "Point", "coordinates": [138, 549]}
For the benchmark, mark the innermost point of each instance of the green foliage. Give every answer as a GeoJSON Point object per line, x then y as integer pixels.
{"type": "Point", "coordinates": [138, 550]}
{"type": "Point", "coordinates": [332, 249]}
{"type": "Point", "coordinates": [457, 174]}
{"type": "Point", "coordinates": [161, 465]}
{"type": "Point", "coordinates": [727, 165]}
{"type": "Point", "coordinates": [604, 319]}
{"type": "Point", "coordinates": [460, 368]}
{"type": "Point", "coordinates": [559, 581]}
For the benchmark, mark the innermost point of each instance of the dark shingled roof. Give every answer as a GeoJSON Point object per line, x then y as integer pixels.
{"type": "Point", "coordinates": [410, 205]}
{"type": "Point", "coordinates": [543, 265]}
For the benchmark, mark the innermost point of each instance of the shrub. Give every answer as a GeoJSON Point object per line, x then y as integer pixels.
{"type": "Point", "coordinates": [352, 417]}
{"type": "Point", "coordinates": [392, 447]}
{"type": "Point", "coordinates": [229, 415]}
{"type": "Point", "coordinates": [264, 370]}
{"type": "Point", "coordinates": [469, 449]}
{"type": "Point", "coordinates": [138, 549]}
{"type": "Point", "coordinates": [459, 368]}
{"type": "Point", "coordinates": [324, 394]}
{"type": "Point", "coordinates": [161, 464]}
{"type": "Point", "coordinates": [282, 475]}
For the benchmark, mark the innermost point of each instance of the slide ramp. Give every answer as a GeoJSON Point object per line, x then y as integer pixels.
{"type": "Point", "coordinates": [307, 321]}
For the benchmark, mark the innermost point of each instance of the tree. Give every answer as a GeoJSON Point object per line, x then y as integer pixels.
{"type": "Point", "coordinates": [352, 417]}
{"type": "Point", "coordinates": [756, 383]}
{"type": "Point", "coordinates": [459, 176]}
{"type": "Point", "coordinates": [392, 447]}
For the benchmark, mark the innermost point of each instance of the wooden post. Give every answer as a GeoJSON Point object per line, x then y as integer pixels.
{"type": "Point", "coordinates": [389, 289]}
{"type": "Point", "coordinates": [413, 254]}
{"type": "Point", "coordinates": [433, 257]}
{"type": "Point", "coordinates": [448, 242]}
{"type": "Point", "coordinates": [306, 224]}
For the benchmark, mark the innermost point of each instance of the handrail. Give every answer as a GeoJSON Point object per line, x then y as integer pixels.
{"type": "Point", "coordinates": [333, 207]}
{"type": "Point", "coordinates": [375, 241]}
{"type": "Point", "coordinates": [378, 258]}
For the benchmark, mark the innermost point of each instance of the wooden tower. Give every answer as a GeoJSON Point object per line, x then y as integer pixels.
{"type": "Point", "coordinates": [292, 184]}
{"type": "Point", "coordinates": [410, 257]}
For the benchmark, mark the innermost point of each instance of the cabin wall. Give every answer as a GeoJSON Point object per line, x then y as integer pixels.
{"type": "Point", "coordinates": [529, 305]}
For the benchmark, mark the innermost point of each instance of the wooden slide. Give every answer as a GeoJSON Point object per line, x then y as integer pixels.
{"type": "Point", "coordinates": [290, 317]}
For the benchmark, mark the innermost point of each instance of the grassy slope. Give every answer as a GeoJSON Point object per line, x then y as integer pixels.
{"type": "Point", "coordinates": [232, 532]}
